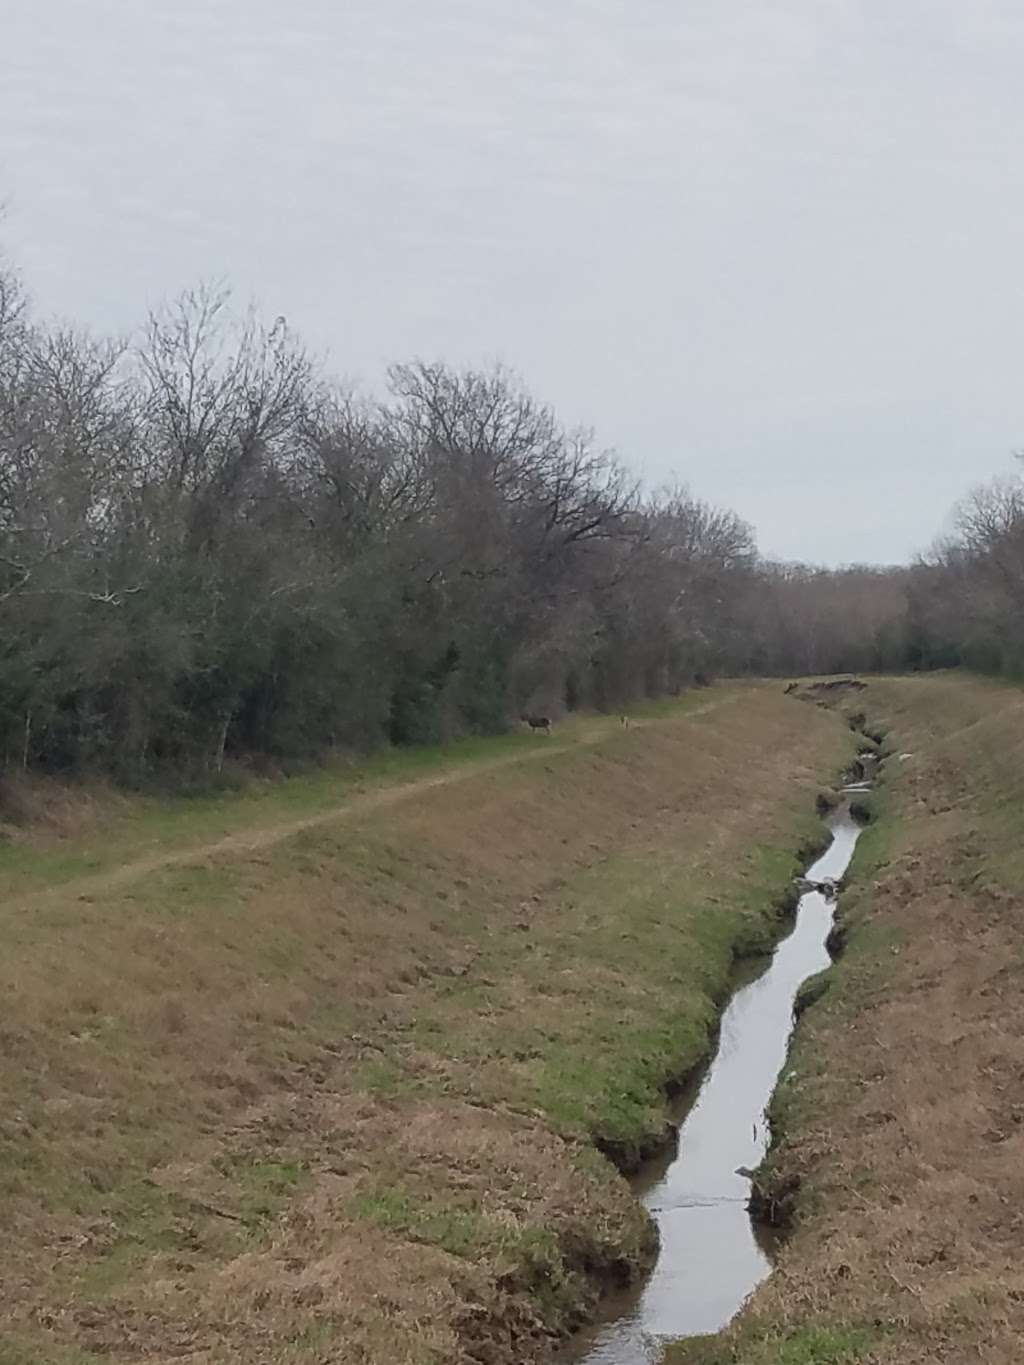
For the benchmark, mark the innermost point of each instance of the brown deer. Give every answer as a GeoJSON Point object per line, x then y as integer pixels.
{"type": "Point", "coordinates": [538, 723]}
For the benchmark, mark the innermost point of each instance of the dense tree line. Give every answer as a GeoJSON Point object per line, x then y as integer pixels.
{"type": "Point", "coordinates": [209, 552]}
{"type": "Point", "coordinates": [966, 599]}
{"type": "Point", "coordinates": [207, 549]}
{"type": "Point", "coordinates": [808, 620]}
{"type": "Point", "coordinates": [960, 605]}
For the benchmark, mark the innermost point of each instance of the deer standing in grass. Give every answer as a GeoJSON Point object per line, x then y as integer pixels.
{"type": "Point", "coordinates": [541, 723]}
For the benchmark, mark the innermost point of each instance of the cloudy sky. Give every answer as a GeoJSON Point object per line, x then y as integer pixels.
{"type": "Point", "coordinates": [773, 249]}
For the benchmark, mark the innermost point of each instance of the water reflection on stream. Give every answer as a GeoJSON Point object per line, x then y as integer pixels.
{"type": "Point", "coordinates": [711, 1255]}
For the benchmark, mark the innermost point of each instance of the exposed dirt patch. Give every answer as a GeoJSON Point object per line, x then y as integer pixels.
{"type": "Point", "coordinates": [826, 691]}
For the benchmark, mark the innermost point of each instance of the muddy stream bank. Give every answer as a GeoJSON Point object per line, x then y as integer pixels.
{"type": "Point", "coordinates": [712, 1255]}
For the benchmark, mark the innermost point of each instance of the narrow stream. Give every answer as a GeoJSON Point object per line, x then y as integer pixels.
{"type": "Point", "coordinates": [711, 1255]}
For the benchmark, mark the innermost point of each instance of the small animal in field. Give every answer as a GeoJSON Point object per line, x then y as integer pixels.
{"type": "Point", "coordinates": [542, 723]}
{"type": "Point", "coordinates": [624, 722]}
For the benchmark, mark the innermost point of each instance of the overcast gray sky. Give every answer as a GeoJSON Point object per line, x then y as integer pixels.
{"type": "Point", "coordinates": [771, 248]}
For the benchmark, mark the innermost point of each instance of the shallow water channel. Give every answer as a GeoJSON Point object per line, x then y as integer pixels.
{"type": "Point", "coordinates": [711, 1255]}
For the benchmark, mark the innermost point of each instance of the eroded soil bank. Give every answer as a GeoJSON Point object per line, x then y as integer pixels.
{"type": "Point", "coordinates": [332, 1092]}
{"type": "Point", "coordinates": [902, 1118]}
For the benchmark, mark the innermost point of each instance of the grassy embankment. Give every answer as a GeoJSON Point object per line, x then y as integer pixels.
{"type": "Point", "coordinates": [316, 1074]}
{"type": "Point", "coordinates": [902, 1115]}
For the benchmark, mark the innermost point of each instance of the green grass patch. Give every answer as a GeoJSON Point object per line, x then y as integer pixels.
{"type": "Point", "coordinates": [814, 1344]}
{"type": "Point", "coordinates": [462, 1231]}
{"type": "Point", "coordinates": [261, 1188]}
{"type": "Point", "coordinates": [531, 1256]}
{"type": "Point", "coordinates": [384, 1077]}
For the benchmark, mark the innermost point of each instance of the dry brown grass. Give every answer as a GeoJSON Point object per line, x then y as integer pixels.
{"type": "Point", "coordinates": [36, 810]}
{"type": "Point", "coordinates": [328, 1091]}
{"type": "Point", "coordinates": [904, 1111]}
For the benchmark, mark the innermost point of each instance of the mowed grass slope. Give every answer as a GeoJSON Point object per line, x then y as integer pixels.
{"type": "Point", "coordinates": [327, 1087]}
{"type": "Point", "coordinates": [902, 1115]}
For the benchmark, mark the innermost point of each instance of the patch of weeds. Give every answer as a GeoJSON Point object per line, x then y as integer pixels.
{"type": "Point", "coordinates": [115, 1268]}
{"type": "Point", "coordinates": [281, 954]}
{"type": "Point", "coordinates": [812, 990]}
{"type": "Point", "coordinates": [22, 1351]}
{"type": "Point", "coordinates": [383, 1077]}
{"type": "Point", "coordinates": [261, 1187]}
{"type": "Point", "coordinates": [808, 1345]}
{"type": "Point", "coordinates": [460, 1231]}
{"type": "Point", "coordinates": [25, 866]}
{"type": "Point", "coordinates": [532, 1259]}
{"type": "Point", "coordinates": [862, 808]}
{"type": "Point", "coordinates": [552, 1284]}
{"type": "Point", "coordinates": [333, 1019]}
{"type": "Point", "coordinates": [582, 1095]}
{"type": "Point", "coordinates": [141, 1212]}
{"type": "Point", "coordinates": [319, 1336]}
{"type": "Point", "coordinates": [668, 708]}
{"type": "Point", "coordinates": [194, 890]}
{"type": "Point", "coordinates": [148, 1221]}
{"type": "Point", "coordinates": [618, 1095]}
